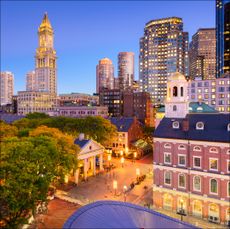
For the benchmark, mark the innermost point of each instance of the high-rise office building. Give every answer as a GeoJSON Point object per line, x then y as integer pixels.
{"type": "Point", "coordinates": [163, 50]}
{"type": "Point", "coordinates": [125, 70]}
{"type": "Point", "coordinates": [45, 70]}
{"type": "Point", "coordinates": [202, 54]}
{"type": "Point", "coordinates": [105, 75]}
{"type": "Point", "coordinates": [30, 81]}
{"type": "Point", "coordinates": [222, 37]}
{"type": "Point", "coordinates": [6, 87]}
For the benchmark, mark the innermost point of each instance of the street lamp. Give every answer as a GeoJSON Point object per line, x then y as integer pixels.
{"type": "Point", "coordinates": [181, 211]}
{"type": "Point", "coordinates": [109, 159]}
{"type": "Point", "coordinates": [137, 172]}
{"type": "Point", "coordinates": [121, 153]}
{"type": "Point", "coordinates": [125, 190]}
{"type": "Point", "coordinates": [134, 156]}
{"type": "Point", "coordinates": [115, 187]}
{"type": "Point", "coordinates": [122, 162]}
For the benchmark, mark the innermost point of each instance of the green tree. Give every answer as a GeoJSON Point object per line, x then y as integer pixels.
{"type": "Point", "coordinates": [28, 166]}
{"type": "Point", "coordinates": [7, 130]}
{"type": "Point", "coordinates": [37, 115]}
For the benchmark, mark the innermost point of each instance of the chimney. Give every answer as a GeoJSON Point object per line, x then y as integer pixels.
{"type": "Point", "coordinates": [81, 136]}
{"type": "Point", "coordinates": [185, 125]}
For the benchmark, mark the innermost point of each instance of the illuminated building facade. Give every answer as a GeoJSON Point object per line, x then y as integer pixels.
{"type": "Point", "coordinates": [125, 70]}
{"type": "Point", "coordinates": [215, 93]}
{"type": "Point", "coordinates": [45, 70]}
{"type": "Point", "coordinates": [37, 101]}
{"type": "Point", "coordinates": [191, 159]}
{"type": "Point", "coordinates": [6, 87]}
{"type": "Point", "coordinates": [222, 37]}
{"type": "Point", "coordinates": [105, 75]}
{"type": "Point", "coordinates": [202, 54]}
{"type": "Point", "coordinates": [30, 81]}
{"type": "Point", "coordinates": [163, 50]}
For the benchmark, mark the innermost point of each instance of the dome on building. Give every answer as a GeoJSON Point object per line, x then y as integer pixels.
{"type": "Point", "coordinates": [116, 214]}
{"type": "Point", "coordinates": [176, 76]}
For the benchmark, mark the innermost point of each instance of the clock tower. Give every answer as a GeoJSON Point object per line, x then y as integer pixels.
{"type": "Point", "coordinates": [45, 70]}
{"type": "Point", "coordinates": [176, 104]}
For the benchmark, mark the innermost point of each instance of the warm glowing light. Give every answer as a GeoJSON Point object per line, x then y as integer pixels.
{"type": "Point", "coordinates": [122, 160]}
{"type": "Point", "coordinates": [135, 154]}
{"type": "Point", "coordinates": [137, 171]}
{"type": "Point", "coordinates": [109, 157]}
{"type": "Point", "coordinates": [121, 153]}
{"type": "Point", "coordinates": [114, 184]}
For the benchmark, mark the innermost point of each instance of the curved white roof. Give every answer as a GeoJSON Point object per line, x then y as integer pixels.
{"type": "Point", "coordinates": [116, 214]}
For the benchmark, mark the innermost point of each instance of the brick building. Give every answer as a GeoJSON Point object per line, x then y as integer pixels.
{"type": "Point", "coordinates": [191, 159]}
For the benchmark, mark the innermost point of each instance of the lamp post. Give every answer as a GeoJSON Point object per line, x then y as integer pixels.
{"type": "Point", "coordinates": [115, 187]}
{"type": "Point", "coordinates": [125, 190]}
{"type": "Point", "coordinates": [109, 159]}
{"type": "Point", "coordinates": [122, 162]}
{"type": "Point", "coordinates": [121, 153]}
{"type": "Point", "coordinates": [134, 156]}
{"type": "Point", "coordinates": [181, 211]}
{"type": "Point", "coordinates": [137, 172]}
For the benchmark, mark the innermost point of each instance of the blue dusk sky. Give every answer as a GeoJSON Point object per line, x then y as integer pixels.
{"type": "Point", "coordinates": [85, 32]}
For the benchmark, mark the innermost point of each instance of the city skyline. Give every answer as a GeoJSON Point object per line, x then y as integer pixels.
{"type": "Point", "coordinates": [83, 46]}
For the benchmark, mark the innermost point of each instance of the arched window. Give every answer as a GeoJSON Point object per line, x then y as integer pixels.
{"type": "Point", "coordinates": [213, 186]}
{"type": "Point", "coordinates": [199, 125]}
{"type": "Point", "coordinates": [167, 177]}
{"type": "Point", "coordinates": [182, 147]}
{"type": "Point", "coordinates": [197, 183]}
{"type": "Point", "coordinates": [181, 181]}
{"type": "Point", "coordinates": [167, 146]}
{"type": "Point", "coordinates": [181, 91]}
{"type": "Point", "coordinates": [175, 91]}
{"type": "Point", "coordinates": [197, 148]}
{"type": "Point", "coordinates": [174, 108]}
{"type": "Point", "coordinates": [213, 150]}
{"type": "Point", "coordinates": [175, 125]}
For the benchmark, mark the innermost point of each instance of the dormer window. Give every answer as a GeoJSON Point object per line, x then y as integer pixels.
{"type": "Point", "coordinates": [199, 109]}
{"type": "Point", "coordinates": [199, 125]}
{"type": "Point", "coordinates": [228, 127]}
{"type": "Point", "coordinates": [197, 148]}
{"type": "Point", "coordinates": [175, 125]}
{"type": "Point", "coordinates": [182, 147]}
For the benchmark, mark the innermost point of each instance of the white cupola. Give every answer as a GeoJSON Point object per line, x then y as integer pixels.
{"type": "Point", "coordinates": [176, 103]}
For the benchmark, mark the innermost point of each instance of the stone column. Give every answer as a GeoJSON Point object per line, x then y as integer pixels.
{"type": "Point", "coordinates": [94, 165]}
{"type": "Point", "coordinates": [76, 176]}
{"type": "Point", "coordinates": [101, 162]}
{"type": "Point", "coordinates": [85, 168]}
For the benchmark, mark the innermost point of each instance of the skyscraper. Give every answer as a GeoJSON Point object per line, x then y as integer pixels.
{"type": "Point", "coordinates": [45, 71]}
{"type": "Point", "coordinates": [202, 54]}
{"type": "Point", "coordinates": [105, 75]}
{"type": "Point", "coordinates": [30, 81]}
{"type": "Point", "coordinates": [222, 37]}
{"type": "Point", "coordinates": [125, 70]}
{"type": "Point", "coordinates": [163, 50]}
{"type": "Point", "coordinates": [6, 87]}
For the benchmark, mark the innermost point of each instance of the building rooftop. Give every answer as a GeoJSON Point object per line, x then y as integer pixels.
{"type": "Point", "coordinates": [116, 214]}
{"type": "Point", "coordinates": [195, 107]}
{"type": "Point", "coordinates": [122, 124]}
{"type": "Point", "coordinates": [10, 118]}
{"type": "Point", "coordinates": [215, 128]}
{"type": "Point", "coordinates": [81, 143]}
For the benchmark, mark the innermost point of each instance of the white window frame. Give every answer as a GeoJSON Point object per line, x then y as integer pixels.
{"type": "Point", "coordinates": [179, 181]}
{"type": "Point", "coordinates": [213, 158]}
{"type": "Point", "coordinates": [194, 166]}
{"type": "Point", "coordinates": [228, 161]}
{"type": "Point", "coordinates": [213, 193]}
{"type": "Point", "coordinates": [182, 147]}
{"type": "Point", "coordinates": [170, 178]}
{"type": "Point", "coordinates": [179, 159]}
{"type": "Point", "coordinates": [197, 150]}
{"type": "Point", "coordinates": [193, 184]}
{"type": "Point", "coordinates": [228, 151]}
{"type": "Point", "coordinates": [168, 163]}
{"type": "Point", "coordinates": [213, 150]}
{"type": "Point", "coordinates": [167, 146]}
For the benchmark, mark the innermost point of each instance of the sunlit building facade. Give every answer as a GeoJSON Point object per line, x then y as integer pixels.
{"type": "Point", "coordinates": [45, 59]}
{"type": "Point", "coordinates": [202, 54]}
{"type": "Point", "coordinates": [6, 87]}
{"type": "Point", "coordinates": [30, 81]}
{"type": "Point", "coordinates": [163, 50]}
{"type": "Point", "coordinates": [126, 70]}
{"type": "Point", "coordinates": [191, 159]}
{"type": "Point", "coordinates": [104, 75]}
{"type": "Point", "coordinates": [222, 37]}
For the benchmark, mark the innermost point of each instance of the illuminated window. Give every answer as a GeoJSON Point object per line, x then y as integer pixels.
{"type": "Point", "coordinates": [213, 164]}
